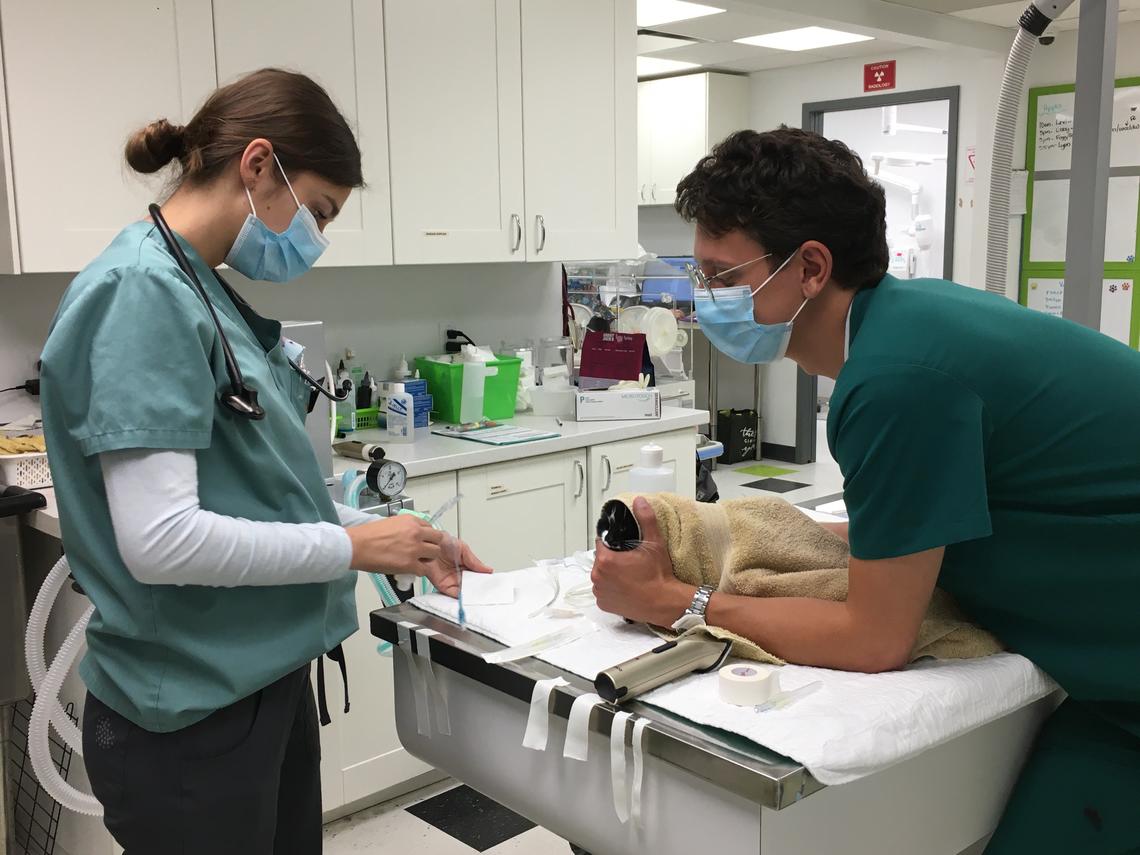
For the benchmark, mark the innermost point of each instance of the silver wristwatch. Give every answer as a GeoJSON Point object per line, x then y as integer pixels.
{"type": "Point", "coordinates": [695, 614]}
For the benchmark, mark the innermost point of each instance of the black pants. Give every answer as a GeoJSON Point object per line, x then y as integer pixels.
{"type": "Point", "coordinates": [246, 779]}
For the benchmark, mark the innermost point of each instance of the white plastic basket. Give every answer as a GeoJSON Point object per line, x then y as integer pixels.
{"type": "Point", "coordinates": [30, 470]}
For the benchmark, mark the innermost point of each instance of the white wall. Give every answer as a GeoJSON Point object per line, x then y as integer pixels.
{"type": "Point", "coordinates": [380, 312]}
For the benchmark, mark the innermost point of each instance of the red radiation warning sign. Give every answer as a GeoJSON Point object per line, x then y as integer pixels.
{"type": "Point", "coordinates": [879, 75]}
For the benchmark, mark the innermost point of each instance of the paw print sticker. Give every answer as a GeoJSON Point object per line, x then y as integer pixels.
{"type": "Point", "coordinates": [1112, 289]}
{"type": "Point", "coordinates": [1130, 259]}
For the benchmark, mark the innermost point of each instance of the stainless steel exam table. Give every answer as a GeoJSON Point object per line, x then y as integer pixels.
{"type": "Point", "coordinates": [704, 788]}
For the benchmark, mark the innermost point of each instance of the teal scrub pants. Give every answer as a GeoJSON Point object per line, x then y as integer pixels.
{"type": "Point", "coordinates": [1079, 793]}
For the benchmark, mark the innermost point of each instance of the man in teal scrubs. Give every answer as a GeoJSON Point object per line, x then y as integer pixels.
{"type": "Point", "coordinates": [985, 447]}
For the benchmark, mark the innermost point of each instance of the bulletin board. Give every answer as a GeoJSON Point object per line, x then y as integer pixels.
{"type": "Point", "coordinates": [1048, 158]}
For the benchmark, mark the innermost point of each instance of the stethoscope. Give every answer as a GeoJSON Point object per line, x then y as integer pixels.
{"type": "Point", "coordinates": [240, 398]}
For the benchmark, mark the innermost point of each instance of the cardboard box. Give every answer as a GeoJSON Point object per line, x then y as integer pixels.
{"type": "Point", "coordinates": [617, 405]}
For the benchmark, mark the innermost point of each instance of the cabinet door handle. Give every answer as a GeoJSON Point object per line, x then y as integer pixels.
{"type": "Point", "coordinates": [581, 472]}
{"type": "Point", "coordinates": [653, 192]}
{"type": "Point", "coordinates": [609, 473]}
{"type": "Point", "coordinates": [541, 223]}
{"type": "Point", "coordinates": [642, 192]}
{"type": "Point", "coordinates": [516, 221]}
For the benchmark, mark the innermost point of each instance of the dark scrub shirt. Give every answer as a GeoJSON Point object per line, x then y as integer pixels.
{"type": "Point", "coordinates": [961, 419]}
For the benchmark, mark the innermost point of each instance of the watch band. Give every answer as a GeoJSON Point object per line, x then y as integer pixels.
{"type": "Point", "coordinates": [695, 614]}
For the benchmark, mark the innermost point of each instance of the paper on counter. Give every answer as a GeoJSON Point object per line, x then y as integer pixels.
{"type": "Point", "coordinates": [487, 589]}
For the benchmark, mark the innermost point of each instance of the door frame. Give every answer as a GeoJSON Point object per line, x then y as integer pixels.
{"type": "Point", "coordinates": [807, 386]}
{"type": "Point", "coordinates": [813, 121]}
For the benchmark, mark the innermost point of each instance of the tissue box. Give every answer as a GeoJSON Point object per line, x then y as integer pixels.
{"type": "Point", "coordinates": [617, 405]}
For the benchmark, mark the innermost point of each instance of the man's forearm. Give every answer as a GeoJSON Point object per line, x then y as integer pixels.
{"type": "Point", "coordinates": [803, 631]}
{"type": "Point", "coordinates": [838, 528]}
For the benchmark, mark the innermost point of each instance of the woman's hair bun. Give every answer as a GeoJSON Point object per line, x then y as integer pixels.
{"type": "Point", "coordinates": [151, 148]}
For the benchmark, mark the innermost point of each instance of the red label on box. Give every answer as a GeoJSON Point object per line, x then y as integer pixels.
{"type": "Point", "coordinates": [879, 75]}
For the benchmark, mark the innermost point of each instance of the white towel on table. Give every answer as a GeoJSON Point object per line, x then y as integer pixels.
{"type": "Point", "coordinates": [857, 724]}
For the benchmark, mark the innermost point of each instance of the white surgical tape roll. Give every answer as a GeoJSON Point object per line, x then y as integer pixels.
{"type": "Point", "coordinates": [538, 722]}
{"type": "Point", "coordinates": [578, 727]}
{"type": "Point", "coordinates": [748, 685]}
{"type": "Point", "coordinates": [404, 630]}
{"type": "Point", "coordinates": [435, 689]}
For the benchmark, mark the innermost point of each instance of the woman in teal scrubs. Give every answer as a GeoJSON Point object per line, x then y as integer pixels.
{"type": "Point", "coordinates": [217, 563]}
{"type": "Point", "coordinates": [985, 447]}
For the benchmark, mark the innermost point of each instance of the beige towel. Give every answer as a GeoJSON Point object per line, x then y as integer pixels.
{"type": "Point", "coordinates": [765, 547]}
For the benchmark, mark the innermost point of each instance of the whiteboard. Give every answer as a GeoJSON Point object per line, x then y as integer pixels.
{"type": "Point", "coordinates": [1116, 309]}
{"type": "Point", "coordinates": [1048, 237]}
{"type": "Point", "coordinates": [1048, 296]}
{"type": "Point", "coordinates": [1054, 129]}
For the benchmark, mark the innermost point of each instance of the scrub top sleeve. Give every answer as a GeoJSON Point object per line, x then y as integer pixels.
{"type": "Point", "coordinates": [147, 363]}
{"type": "Point", "coordinates": [910, 442]}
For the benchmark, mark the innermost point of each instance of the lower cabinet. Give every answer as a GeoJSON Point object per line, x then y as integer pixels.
{"type": "Point", "coordinates": [515, 513]}
{"type": "Point", "coordinates": [511, 514]}
{"type": "Point", "coordinates": [611, 463]}
{"type": "Point", "coordinates": [361, 755]}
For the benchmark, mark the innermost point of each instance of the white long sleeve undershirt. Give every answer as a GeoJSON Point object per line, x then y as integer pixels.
{"type": "Point", "coordinates": [166, 538]}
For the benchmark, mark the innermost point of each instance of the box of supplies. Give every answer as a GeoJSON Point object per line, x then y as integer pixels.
{"type": "Point", "coordinates": [617, 405]}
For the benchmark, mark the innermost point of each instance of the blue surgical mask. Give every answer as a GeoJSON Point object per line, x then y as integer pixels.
{"type": "Point", "coordinates": [729, 324]}
{"type": "Point", "coordinates": [263, 254]}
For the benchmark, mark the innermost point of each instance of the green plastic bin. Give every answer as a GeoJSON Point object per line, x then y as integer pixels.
{"type": "Point", "coordinates": [445, 384]}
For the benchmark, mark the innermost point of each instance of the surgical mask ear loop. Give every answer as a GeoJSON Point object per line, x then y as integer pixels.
{"type": "Point", "coordinates": [296, 201]}
{"type": "Point", "coordinates": [775, 273]}
{"type": "Point", "coordinates": [287, 182]}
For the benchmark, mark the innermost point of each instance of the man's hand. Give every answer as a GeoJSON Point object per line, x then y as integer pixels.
{"type": "Point", "coordinates": [443, 572]}
{"type": "Point", "coordinates": [639, 584]}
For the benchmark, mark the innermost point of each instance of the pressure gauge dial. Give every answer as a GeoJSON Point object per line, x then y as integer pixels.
{"type": "Point", "coordinates": [387, 478]}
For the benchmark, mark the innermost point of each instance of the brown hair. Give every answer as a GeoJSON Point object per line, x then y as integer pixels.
{"type": "Point", "coordinates": [293, 112]}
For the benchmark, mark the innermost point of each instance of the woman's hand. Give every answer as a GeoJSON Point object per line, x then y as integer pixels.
{"type": "Point", "coordinates": [400, 544]}
{"type": "Point", "coordinates": [443, 572]}
{"type": "Point", "coordinates": [639, 584]}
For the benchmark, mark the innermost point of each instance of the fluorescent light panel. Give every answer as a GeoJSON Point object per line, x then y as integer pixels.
{"type": "Point", "coordinates": [650, 65]}
{"type": "Point", "coordinates": [805, 38]}
{"type": "Point", "coordinates": [651, 13]}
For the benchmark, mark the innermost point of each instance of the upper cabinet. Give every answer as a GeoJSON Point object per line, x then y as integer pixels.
{"type": "Point", "coordinates": [339, 45]}
{"type": "Point", "coordinates": [455, 118]}
{"type": "Point", "coordinates": [80, 78]}
{"type": "Point", "coordinates": [491, 130]}
{"type": "Point", "coordinates": [580, 128]}
{"type": "Point", "coordinates": [679, 120]}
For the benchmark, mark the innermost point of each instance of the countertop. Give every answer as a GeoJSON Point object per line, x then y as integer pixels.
{"type": "Point", "coordinates": [437, 454]}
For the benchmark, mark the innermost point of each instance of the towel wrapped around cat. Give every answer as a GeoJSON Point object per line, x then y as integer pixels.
{"type": "Point", "coordinates": [764, 547]}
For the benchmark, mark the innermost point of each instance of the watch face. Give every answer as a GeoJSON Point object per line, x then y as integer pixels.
{"type": "Point", "coordinates": [391, 479]}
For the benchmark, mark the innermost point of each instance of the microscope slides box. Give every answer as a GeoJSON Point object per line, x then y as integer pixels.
{"type": "Point", "coordinates": [617, 405]}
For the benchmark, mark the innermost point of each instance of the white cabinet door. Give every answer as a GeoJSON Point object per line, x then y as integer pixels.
{"type": "Point", "coordinates": [81, 77]}
{"type": "Point", "coordinates": [580, 128]}
{"type": "Point", "coordinates": [455, 114]}
{"type": "Point", "coordinates": [680, 119]}
{"type": "Point", "coordinates": [368, 757]}
{"type": "Point", "coordinates": [515, 513]}
{"type": "Point", "coordinates": [341, 46]}
{"type": "Point", "coordinates": [610, 465]}
{"type": "Point", "coordinates": [678, 107]}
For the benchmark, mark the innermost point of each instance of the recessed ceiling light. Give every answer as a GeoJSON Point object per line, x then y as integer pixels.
{"type": "Point", "coordinates": [650, 65]}
{"type": "Point", "coordinates": [806, 38]}
{"type": "Point", "coordinates": [650, 13]}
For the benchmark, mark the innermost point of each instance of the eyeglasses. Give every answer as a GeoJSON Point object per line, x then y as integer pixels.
{"type": "Point", "coordinates": [703, 283]}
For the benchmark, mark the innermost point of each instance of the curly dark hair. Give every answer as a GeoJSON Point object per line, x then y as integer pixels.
{"type": "Point", "coordinates": [787, 186]}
